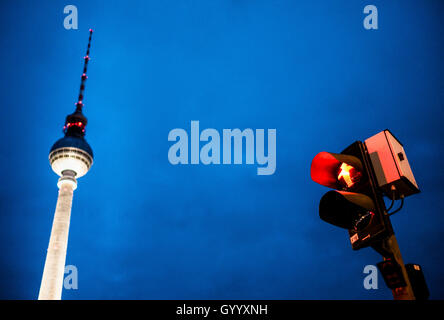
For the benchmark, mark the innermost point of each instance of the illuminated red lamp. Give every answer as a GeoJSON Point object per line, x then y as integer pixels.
{"type": "Point", "coordinates": [77, 124]}
{"type": "Point", "coordinates": [337, 171]}
{"type": "Point", "coordinates": [348, 175]}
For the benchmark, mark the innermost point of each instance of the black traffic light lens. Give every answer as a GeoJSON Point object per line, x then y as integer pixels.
{"type": "Point", "coordinates": [347, 210]}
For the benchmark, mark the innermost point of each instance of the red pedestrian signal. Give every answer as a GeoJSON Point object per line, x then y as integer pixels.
{"type": "Point", "coordinates": [355, 204]}
{"type": "Point", "coordinates": [337, 171]}
{"type": "Point", "coordinates": [348, 175]}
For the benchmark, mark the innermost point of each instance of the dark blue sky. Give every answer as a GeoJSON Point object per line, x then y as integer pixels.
{"type": "Point", "coordinates": [142, 228]}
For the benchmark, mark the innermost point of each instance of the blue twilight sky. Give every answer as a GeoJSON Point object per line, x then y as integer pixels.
{"type": "Point", "coordinates": [142, 228]}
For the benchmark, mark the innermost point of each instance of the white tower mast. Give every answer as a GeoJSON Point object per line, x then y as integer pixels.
{"type": "Point", "coordinates": [70, 157]}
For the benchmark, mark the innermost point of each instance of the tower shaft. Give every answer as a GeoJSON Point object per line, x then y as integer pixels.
{"type": "Point", "coordinates": [53, 273]}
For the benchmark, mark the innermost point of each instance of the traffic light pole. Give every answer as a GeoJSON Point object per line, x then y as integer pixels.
{"type": "Point", "coordinates": [389, 249]}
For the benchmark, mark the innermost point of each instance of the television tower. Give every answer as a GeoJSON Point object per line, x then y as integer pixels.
{"type": "Point", "coordinates": [70, 157]}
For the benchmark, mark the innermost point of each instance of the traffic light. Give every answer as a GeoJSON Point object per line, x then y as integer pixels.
{"type": "Point", "coordinates": [393, 277]}
{"type": "Point", "coordinates": [360, 176]}
{"type": "Point", "coordinates": [356, 204]}
{"type": "Point", "coordinates": [391, 272]}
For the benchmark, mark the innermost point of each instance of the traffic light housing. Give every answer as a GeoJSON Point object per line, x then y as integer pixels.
{"type": "Point", "coordinates": [391, 272]}
{"type": "Point", "coordinates": [356, 204]}
{"type": "Point", "coordinates": [419, 285]}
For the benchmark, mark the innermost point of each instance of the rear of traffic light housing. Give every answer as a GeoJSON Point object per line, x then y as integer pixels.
{"type": "Point", "coordinates": [417, 280]}
{"type": "Point", "coordinates": [356, 204]}
{"type": "Point", "coordinates": [391, 167]}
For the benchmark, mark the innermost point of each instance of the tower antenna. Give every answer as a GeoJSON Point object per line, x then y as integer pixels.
{"type": "Point", "coordinates": [76, 122]}
{"type": "Point", "coordinates": [79, 103]}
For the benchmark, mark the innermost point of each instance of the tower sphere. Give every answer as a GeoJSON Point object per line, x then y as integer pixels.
{"type": "Point", "coordinates": [71, 153]}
